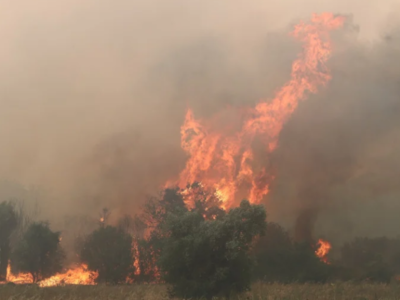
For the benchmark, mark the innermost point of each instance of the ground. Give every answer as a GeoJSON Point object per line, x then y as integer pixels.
{"type": "Point", "coordinates": [340, 291]}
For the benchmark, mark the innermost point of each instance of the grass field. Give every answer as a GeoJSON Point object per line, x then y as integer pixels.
{"type": "Point", "coordinates": [339, 291]}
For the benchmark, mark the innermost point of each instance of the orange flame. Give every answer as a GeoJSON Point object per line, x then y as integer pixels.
{"type": "Point", "coordinates": [224, 162]}
{"type": "Point", "coordinates": [20, 278]}
{"type": "Point", "coordinates": [77, 275]}
{"type": "Point", "coordinates": [323, 250]}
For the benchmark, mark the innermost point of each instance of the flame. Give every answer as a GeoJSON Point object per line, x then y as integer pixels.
{"type": "Point", "coordinates": [77, 275]}
{"type": "Point", "coordinates": [136, 264]}
{"type": "Point", "coordinates": [323, 250]}
{"type": "Point", "coordinates": [222, 160]}
{"type": "Point", "coordinates": [20, 278]}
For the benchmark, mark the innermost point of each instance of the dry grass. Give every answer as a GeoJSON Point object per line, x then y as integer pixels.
{"type": "Point", "coordinates": [338, 291]}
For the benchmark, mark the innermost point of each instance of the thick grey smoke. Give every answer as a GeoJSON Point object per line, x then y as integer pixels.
{"type": "Point", "coordinates": [93, 94]}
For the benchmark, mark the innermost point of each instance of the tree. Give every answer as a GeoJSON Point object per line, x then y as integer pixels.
{"type": "Point", "coordinates": [8, 223]}
{"type": "Point", "coordinates": [157, 209]}
{"type": "Point", "coordinates": [108, 250]}
{"type": "Point", "coordinates": [172, 201]}
{"type": "Point", "coordinates": [155, 215]}
{"type": "Point", "coordinates": [39, 252]}
{"type": "Point", "coordinates": [205, 258]}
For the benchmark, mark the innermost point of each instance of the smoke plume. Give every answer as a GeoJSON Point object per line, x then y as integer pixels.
{"type": "Point", "coordinates": [93, 95]}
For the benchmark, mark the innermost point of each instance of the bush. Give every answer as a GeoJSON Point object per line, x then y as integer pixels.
{"type": "Point", "coordinates": [109, 251]}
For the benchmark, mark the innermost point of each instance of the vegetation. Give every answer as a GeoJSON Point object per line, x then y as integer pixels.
{"type": "Point", "coordinates": [108, 250]}
{"type": "Point", "coordinates": [371, 259]}
{"type": "Point", "coordinates": [199, 251]}
{"type": "Point", "coordinates": [8, 223]}
{"type": "Point", "coordinates": [39, 252]}
{"type": "Point", "coordinates": [280, 259]}
{"type": "Point", "coordinates": [202, 258]}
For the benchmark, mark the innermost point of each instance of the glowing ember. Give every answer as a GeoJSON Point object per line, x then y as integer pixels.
{"type": "Point", "coordinates": [78, 275]}
{"type": "Point", "coordinates": [224, 161]}
{"type": "Point", "coordinates": [323, 250]}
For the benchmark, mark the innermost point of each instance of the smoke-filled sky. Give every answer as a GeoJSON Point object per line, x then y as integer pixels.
{"type": "Point", "coordinates": [93, 94]}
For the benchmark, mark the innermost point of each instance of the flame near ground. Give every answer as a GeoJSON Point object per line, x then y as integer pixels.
{"type": "Point", "coordinates": [224, 161]}
{"type": "Point", "coordinates": [76, 275]}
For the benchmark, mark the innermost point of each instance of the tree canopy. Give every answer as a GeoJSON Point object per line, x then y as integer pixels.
{"type": "Point", "coordinates": [109, 251]}
{"type": "Point", "coordinates": [204, 258]}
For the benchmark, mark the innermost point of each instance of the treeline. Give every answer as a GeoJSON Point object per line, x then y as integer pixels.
{"type": "Point", "coordinates": [201, 251]}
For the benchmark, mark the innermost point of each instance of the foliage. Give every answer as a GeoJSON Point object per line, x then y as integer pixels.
{"type": "Point", "coordinates": [8, 223]}
{"type": "Point", "coordinates": [39, 252]}
{"type": "Point", "coordinates": [204, 258]}
{"type": "Point", "coordinates": [108, 250]}
{"type": "Point", "coordinates": [280, 259]}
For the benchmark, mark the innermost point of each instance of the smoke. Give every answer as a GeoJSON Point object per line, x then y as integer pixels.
{"type": "Point", "coordinates": [339, 150]}
{"type": "Point", "coordinates": [93, 95]}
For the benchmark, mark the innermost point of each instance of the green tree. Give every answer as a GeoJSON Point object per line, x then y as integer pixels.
{"type": "Point", "coordinates": [39, 252]}
{"type": "Point", "coordinates": [8, 223]}
{"type": "Point", "coordinates": [204, 258]}
{"type": "Point", "coordinates": [108, 250]}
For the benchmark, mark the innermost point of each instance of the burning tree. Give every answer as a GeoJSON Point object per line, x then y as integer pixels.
{"type": "Point", "coordinates": [39, 252]}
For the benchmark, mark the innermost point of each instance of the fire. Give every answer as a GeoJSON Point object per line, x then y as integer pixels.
{"type": "Point", "coordinates": [323, 250]}
{"type": "Point", "coordinates": [20, 278]}
{"type": "Point", "coordinates": [77, 275]}
{"type": "Point", "coordinates": [224, 161]}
